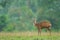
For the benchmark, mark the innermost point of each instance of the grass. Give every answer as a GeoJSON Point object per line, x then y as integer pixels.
{"type": "Point", "coordinates": [29, 36]}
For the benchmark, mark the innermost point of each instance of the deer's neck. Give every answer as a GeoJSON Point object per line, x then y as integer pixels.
{"type": "Point", "coordinates": [35, 23]}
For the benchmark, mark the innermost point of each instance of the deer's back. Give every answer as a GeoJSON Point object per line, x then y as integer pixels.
{"type": "Point", "coordinates": [45, 24]}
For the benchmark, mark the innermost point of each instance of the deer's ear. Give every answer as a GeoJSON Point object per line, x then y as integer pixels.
{"type": "Point", "coordinates": [34, 18]}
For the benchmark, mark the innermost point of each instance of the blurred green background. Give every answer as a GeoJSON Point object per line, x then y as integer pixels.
{"type": "Point", "coordinates": [17, 15]}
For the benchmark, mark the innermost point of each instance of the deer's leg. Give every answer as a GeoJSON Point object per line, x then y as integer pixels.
{"type": "Point", "coordinates": [38, 32]}
{"type": "Point", "coordinates": [49, 29]}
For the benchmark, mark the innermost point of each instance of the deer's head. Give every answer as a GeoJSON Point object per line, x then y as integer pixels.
{"type": "Point", "coordinates": [34, 21]}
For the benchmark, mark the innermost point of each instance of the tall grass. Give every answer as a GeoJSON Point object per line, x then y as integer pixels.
{"type": "Point", "coordinates": [28, 36]}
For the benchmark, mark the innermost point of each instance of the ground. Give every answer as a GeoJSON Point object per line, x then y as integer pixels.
{"type": "Point", "coordinates": [28, 36]}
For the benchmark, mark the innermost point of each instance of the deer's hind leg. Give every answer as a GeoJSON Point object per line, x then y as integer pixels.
{"type": "Point", "coordinates": [38, 32]}
{"type": "Point", "coordinates": [49, 29]}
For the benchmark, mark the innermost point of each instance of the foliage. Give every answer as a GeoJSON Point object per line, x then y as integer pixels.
{"type": "Point", "coordinates": [20, 14]}
{"type": "Point", "coordinates": [3, 22]}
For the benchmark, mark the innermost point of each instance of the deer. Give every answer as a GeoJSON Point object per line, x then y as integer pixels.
{"type": "Point", "coordinates": [41, 25]}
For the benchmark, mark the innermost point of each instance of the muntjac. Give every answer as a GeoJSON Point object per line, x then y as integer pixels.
{"type": "Point", "coordinates": [41, 25]}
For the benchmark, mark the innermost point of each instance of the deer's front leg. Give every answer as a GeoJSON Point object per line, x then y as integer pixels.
{"type": "Point", "coordinates": [39, 31]}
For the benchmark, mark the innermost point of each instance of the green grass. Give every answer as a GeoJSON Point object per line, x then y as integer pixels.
{"type": "Point", "coordinates": [28, 36]}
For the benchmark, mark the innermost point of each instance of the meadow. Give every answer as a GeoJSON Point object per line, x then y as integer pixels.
{"type": "Point", "coordinates": [28, 36]}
